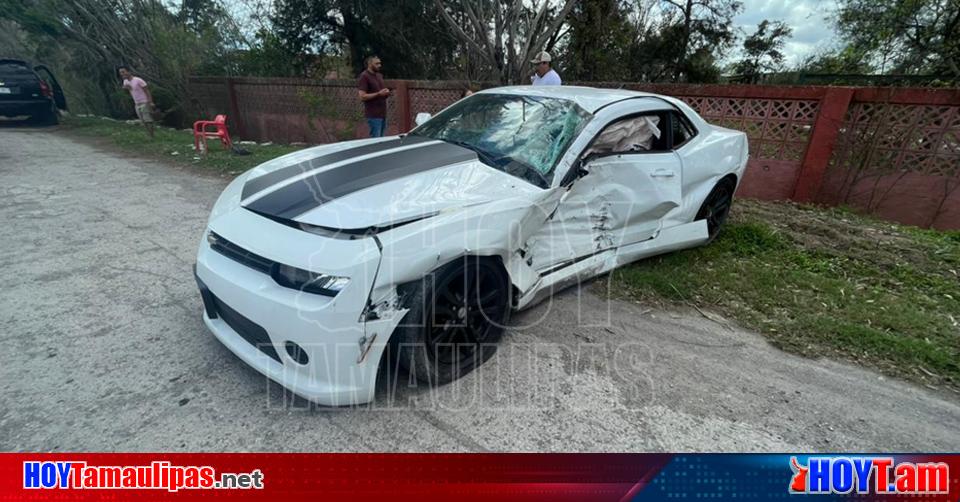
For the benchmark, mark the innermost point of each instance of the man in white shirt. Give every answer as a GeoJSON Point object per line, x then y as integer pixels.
{"type": "Point", "coordinates": [544, 74]}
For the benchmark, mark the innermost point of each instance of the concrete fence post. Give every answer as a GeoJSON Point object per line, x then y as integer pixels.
{"type": "Point", "coordinates": [403, 106]}
{"type": "Point", "coordinates": [823, 138]}
{"type": "Point", "coordinates": [235, 108]}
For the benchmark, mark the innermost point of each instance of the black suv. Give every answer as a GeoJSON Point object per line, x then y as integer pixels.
{"type": "Point", "coordinates": [29, 92]}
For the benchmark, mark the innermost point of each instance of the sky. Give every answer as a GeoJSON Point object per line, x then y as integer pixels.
{"type": "Point", "coordinates": [811, 30]}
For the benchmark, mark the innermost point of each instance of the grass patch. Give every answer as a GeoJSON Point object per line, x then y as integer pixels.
{"type": "Point", "coordinates": [172, 145]}
{"type": "Point", "coordinates": [822, 282]}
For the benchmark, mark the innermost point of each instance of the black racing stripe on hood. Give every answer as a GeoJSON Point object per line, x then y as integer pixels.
{"type": "Point", "coordinates": [259, 183]}
{"type": "Point", "coordinates": [292, 200]}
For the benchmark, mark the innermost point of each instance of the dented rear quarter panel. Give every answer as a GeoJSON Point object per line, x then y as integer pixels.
{"type": "Point", "coordinates": [716, 152]}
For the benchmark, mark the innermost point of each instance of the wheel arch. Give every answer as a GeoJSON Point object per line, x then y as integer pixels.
{"type": "Point", "coordinates": [497, 258]}
{"type": "Point", "coordinates": [418, 301]}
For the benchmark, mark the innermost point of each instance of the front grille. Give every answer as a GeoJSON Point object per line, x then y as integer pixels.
{"type": "Point", "coordinates": [250, 331]}
{"type": "Point", "coordinates": [284, 275]}
{"type": "Point", "coordinates": [240, 255]}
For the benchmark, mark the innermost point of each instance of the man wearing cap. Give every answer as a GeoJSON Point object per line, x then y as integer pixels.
{"type": "Point", "coordinates": [544, 74]}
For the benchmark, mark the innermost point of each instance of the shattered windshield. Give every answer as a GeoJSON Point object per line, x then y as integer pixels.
{"type": "Point", "coordinates": [521, 135]}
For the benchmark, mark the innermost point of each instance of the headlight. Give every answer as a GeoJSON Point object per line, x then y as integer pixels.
{"type": "Point", "coordinates": [284, 275]}
{"type": "Point", "coordinates": [310, 282]}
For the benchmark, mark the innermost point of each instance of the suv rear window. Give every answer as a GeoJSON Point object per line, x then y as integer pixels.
{"type": "Point", "coordinates": [18, 69]}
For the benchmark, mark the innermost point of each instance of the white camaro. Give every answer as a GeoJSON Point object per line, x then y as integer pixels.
{"type": "Point", "coordinates": [314, 263]}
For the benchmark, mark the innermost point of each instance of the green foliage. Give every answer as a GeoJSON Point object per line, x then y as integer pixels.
{"type": "Point", "coordinates": [664, 41]}
{"type": "Point", "coordinates": [406, 34]}
{"type": "Point", "coordinates": [600, 41]}
{"type": "Point", "coordinates": [762, 50]}
{"type": "Point", "coordinates": [700, 67]}
{"type": "Point", "coordinates": [323, 110]}
{"type": "Point", "coordinates": [846, 60]}
{"type": "Point", "coordinates": [903, 36]}
{"type": "Point", "coordinates": [703, 29]}
{"type": "Point", "coordinates": [824, 282]}
{"type": "Point", "coordinates": [269, 56]}
{"type": "Point", "coordinates": [84, 40]}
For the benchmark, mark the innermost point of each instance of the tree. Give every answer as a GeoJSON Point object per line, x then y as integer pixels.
{"type": "Point", "coordinates": [600, 40]}
{"type": "Point", "coordinates": [91, 37]}
{"type": "Point", "coordinates": [268, 56]}
{"type": "Point", "coordinates": [649, 40]}
{"type": "Point", "coordinates": [762, 51]}
{"type": "Point", "coordinates": [845, 60]}
{"type": "Point", "coordinates": [503, 35]}
{"type": "Point", "coordinates": [407, 34]}
{"type": "Point", "coordinates": [903, 36]}
{"type": "Point", "coordinates": [700, 29]}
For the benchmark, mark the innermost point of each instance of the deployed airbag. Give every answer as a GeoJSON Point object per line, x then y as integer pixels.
{"type": "Point", "coordinates": [631, 135]}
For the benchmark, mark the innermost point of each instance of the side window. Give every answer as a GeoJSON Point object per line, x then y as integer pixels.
{"type": "Point", "coordinates": [44, 73]}
{"type": "Point", "coordinates": [636, 134]}
{"type": "Point", "coordinates": [683, 130]}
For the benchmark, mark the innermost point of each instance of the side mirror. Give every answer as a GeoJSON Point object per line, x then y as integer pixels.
{"type": "Point", "coordinates": [590, 157]}
{"type": "Point", "coordinates": [577, 171]}
{"type": "Point", "coordinates": [422, 117]}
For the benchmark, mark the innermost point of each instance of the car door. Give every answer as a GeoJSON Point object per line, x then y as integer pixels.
{"type": "Point", "coordinates": [633, 191]}
{"type": "Point", "coordinates": [619, 197]}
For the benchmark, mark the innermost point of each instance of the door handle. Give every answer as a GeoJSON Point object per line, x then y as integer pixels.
{"type": "Point", "coordinates": [663, 173]}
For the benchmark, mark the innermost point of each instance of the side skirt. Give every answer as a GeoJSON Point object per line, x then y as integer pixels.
{"type": "Point", "coordinates": [669, 239]}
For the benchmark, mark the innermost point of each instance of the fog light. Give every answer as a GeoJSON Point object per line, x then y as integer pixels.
{"type": "Point", "coordinates": [296, 353]}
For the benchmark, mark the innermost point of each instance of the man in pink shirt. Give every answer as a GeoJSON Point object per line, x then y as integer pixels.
{"type": "Point", "coordinates": [142, 99]}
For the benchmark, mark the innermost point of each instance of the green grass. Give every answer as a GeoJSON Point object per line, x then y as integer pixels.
{"type": "Point", "coordinates": [822, 282]}
{"type": "Point", "coordinates": [133, 138]}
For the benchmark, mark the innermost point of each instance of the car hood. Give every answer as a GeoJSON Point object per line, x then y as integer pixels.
{"type": "Point", "coordinates": [375, 184]}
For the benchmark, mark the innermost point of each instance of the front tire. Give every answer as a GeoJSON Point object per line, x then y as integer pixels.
{"type": "Point", "coordinates": [458, 314]}
{"type": "Point", "coordinates": [716, 207]}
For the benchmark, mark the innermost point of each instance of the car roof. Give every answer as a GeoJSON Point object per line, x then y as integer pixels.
{"type": "Point", "coordinates": [589, 98]}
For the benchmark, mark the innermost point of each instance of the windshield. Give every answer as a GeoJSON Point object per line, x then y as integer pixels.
{"type": "Point", "coordinates": [521, 135]}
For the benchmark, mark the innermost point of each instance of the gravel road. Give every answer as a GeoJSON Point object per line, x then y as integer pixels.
{"type": "Point", "coordinates": [105, 350]}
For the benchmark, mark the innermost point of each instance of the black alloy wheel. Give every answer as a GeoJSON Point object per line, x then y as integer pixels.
{"type": "Point", "coordinates": [457, 316]}
{"type": "Point", "coordinates": [716, 207]}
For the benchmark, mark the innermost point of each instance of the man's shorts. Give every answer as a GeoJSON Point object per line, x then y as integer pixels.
{"type": "Point", "coordinates": [143, 112]}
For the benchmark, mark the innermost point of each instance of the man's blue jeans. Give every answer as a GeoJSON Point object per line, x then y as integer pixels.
{"type": "Point", "coordinates": [377, 127]}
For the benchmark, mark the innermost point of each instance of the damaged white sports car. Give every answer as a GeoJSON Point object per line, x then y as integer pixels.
{"type": "Point", "coordinates": [315, 262]}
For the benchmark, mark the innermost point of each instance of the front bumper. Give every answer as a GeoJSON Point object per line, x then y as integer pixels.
{"type": "Point", "coordinates": [244, 308]}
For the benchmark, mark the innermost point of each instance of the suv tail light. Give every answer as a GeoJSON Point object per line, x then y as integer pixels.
{"type": "Point", "coordinates": [45, 89]}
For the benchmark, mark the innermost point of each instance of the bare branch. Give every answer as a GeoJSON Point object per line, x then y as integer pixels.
{"type": "Point", "coordinates": [533, 29]}
{"type": "Point", "coordinates": [460, 33]}
{"type": "Point", "coordinates": [557, 21]}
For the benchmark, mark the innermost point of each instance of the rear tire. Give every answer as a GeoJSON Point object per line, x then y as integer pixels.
{"type": "Point", "coordinates": [49, 118]}
{"type": "Point", "coordinates": [457, 316]}
{"type": "Point", "coordinates": [716, 207]}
